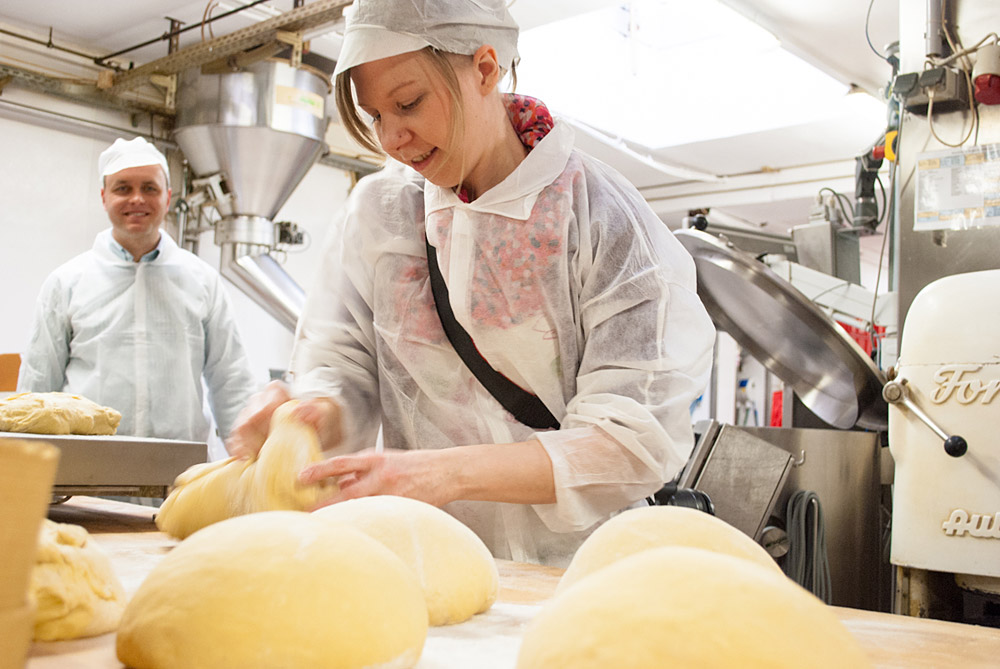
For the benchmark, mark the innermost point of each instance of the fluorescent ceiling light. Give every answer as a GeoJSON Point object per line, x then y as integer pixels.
{"type": "Point", "coordinates": [663, 73]}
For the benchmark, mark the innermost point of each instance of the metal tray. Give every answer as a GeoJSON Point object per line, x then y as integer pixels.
{"type": "Point", "coordinates": [118, 464]}
{"type": "Point", "coordinates": [792, 337]}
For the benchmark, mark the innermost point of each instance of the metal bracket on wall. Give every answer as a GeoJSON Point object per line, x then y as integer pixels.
{"type": "Point", "coordinates": [294, 40]}
{"type": "Point", "coordinates": [168, 83]}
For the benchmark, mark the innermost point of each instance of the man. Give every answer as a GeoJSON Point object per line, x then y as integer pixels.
{"type": "Point", "coordinates": [136, 322]}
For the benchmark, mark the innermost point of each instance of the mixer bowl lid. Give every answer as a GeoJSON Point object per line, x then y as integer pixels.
{"type": "Point", "coordinates": [792, 337]}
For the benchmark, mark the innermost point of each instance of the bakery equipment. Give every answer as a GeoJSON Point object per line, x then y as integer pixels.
{"type": "Point", "coordinates": [751, 474]}
{"type": "Point", "coordinates": [118, 465]}
{"type": "Point", "coordinates": [943, 421]}
{"type": "Point", "coordinates": [250, 134]}
{"type": "Point", "coordinates": [725, 459]}
{"type": "Point", "coordinates": [792, 337]}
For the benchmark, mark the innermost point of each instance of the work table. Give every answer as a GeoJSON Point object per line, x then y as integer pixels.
{"type": "Point", "coordinates": [490, 640]}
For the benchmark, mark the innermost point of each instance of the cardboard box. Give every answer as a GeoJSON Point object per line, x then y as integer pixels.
{"type": "Point", "coordinates": [10, 365]}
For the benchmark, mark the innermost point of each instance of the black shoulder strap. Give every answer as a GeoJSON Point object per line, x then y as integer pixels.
{"type": "Point", "coordinates": [524, 406]}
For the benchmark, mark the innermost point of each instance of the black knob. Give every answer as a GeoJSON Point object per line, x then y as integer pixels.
{"type": "Point", "coordinates": [955, 446]}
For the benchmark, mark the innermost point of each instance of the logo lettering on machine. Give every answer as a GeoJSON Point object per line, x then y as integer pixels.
{"type": "Point", "coordinates": [951, 381]}
{"type": "Point", "coordinates": [982, 525]}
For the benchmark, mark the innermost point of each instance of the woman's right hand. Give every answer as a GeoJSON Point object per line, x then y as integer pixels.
{"type": "Point", "coordinates": [254, 421]}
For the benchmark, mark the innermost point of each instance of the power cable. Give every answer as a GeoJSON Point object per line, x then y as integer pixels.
{"type": "Point", "coordinates": [868, 18]}
{"type": "Point", "coordinates": [806, 562]}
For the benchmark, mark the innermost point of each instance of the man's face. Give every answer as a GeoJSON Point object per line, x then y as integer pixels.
{"type": "Point", "coordinates": [136, 200]}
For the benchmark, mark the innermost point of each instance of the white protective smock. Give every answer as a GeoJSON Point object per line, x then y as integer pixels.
{"type": "Point", "coordinates": [569, 285]}
{"type": "Point", "coordinates": [139, 337]}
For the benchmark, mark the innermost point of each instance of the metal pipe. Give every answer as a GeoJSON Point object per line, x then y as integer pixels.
{"type": "Point", "coordinates": [933, 35]}
{"type": "Point", "coordinates": [172, 34]}
{"type": "Point", "coordinates": [58, 121]}
{"type": "Point", "coordinates": [51, 45]}
{"type": "Point", "coordinates": [260, 277]}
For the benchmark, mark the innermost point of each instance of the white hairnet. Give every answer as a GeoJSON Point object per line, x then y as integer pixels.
{"type": "Point", "coordinates": [379, 29]}
{"type": "Point", "coordinates": [124, 154]}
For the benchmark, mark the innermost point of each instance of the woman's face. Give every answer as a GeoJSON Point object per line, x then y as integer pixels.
{"type": "Point", "coordinates": [412, 115]}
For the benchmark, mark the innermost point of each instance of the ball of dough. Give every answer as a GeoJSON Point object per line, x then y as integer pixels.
{"type": "Point", "coordinates": [687, 607]}
{"type": "Point", "coordinates": [276, 589]}
{"type": "Point", "coordinates": [75, 591]}
{"type": "Point", "coordinates": [456, 570]}
{"type": "Point", "coordinates": [655, 526]}
{"type": "Point", "coordinates": [56, 413]}
{"type": "Point", "coordinates": [212, 491]}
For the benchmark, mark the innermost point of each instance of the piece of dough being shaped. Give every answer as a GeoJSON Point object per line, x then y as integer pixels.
{"type": "Point", "coordinates": [640, 529]}
{"type": "Point", "coordinates": [75, 591]}
{"type": "Point", "coordinates": [456, 570]}
{"type": "Point", "coordinates": [687, 607]}
{"type": "Point", "coordinates": [213, 491]}
{"type": "Point", "coordinates": [276, 589]}
{"type": "Point", "coordinates": [56, 413]}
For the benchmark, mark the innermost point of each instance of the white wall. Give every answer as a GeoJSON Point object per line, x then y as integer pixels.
{"type": "Point", "coordinates": [50, 211]}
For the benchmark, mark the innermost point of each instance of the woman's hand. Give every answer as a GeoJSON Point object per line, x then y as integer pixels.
{"type": "Point", "coordinates": [324, 415]}
{"type": "Point", "coordinates": [519, 473]}
{"type": "Point", "coordinates": [419, 475]}
{"type": "Point", "coordinates": [254, 422]}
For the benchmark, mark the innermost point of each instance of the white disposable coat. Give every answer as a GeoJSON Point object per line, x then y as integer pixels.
{"type": "Point", "coordinates": [138, 337]}
{"type": "Point", "coordinates": [568, 284]}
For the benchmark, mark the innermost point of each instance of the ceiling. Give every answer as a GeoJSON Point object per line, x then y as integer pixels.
{"type": "Point", "coordinates": [768, 179]}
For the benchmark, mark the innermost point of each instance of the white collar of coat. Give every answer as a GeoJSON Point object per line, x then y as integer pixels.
{"type": "Point", "coordinates": [515, 196]}
{"type": "Point", "coordinates": [103, 246]}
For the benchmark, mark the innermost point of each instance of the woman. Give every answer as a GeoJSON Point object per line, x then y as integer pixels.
{"type": "Point", "coordinates": [565, 279]}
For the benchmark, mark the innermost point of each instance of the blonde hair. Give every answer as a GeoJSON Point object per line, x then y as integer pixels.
{"type": "Point", "coordinates": [361, 131]}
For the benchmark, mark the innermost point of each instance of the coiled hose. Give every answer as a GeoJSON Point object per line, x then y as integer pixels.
{"type": "Point", "coordinates": [807, 563]}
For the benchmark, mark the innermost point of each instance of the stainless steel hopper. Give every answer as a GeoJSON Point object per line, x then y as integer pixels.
{"type": "Point", "coordinates": [253, 134]}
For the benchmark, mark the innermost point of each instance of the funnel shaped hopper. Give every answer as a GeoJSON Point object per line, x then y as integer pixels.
{"type": "Point", "coordinates": [261, 127]}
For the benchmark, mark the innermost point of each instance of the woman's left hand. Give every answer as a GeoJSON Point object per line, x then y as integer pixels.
{"type": "Point", "coordinates": [419, 475]}
{"type": "Point", "coordinates": [517, 473]}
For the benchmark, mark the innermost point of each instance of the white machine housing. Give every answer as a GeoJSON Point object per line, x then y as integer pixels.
{"type": "Point", "coordinates": [946, 510]}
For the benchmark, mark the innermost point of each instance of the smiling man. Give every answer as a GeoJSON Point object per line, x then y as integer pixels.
{"type": "Point", "coordinates": [137, 323]}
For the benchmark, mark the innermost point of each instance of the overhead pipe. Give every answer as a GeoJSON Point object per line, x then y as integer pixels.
{"type": "Point", "coordinates": [174, 32]}
{"type": "Point", "coordinates": [47, 118]}
{"type": "Point", "coordinates": [51, 45]}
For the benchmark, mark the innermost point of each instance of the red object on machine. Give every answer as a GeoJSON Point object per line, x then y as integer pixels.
{"type": "Point", "coordinates": [777, 407]}
{"type": "Point", "coordinates": [986, 74]}
{"type": "Point", "coordinates": [862, 336]}
{"type": "Point", "coordinates": [988, 89]}
{"type": "Point", "coordinates": [878, 153]}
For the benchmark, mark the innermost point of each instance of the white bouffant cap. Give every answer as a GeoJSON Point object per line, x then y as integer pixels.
{"type": "Point", "coordinates": [379, 29]}
{"type": "Point", "coordinates": [124, 154]}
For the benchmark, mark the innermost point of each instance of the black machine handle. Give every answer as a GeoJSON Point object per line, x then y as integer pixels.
{"type": "Point", "coordinates": [895, 392]}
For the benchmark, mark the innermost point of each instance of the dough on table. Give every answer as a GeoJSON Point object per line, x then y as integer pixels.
{"type": "Point", "coordinates": [212, 491]}
{"type": "Point", "coordinates": [688, 607]}
{"type": "Point", "coordinates": [56, 413]}
{"type": "Point", "coordinates": [455, 568]}
{"type": "Point", "coordinates": [276, 589]}
{"type": "Point", "coordinates": [640, 529]}
{"type": "Point", "coordinates": [75, 591]}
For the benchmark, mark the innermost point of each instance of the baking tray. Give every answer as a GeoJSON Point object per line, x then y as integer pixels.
{"type": "Point", "coordinates": [116, 464]}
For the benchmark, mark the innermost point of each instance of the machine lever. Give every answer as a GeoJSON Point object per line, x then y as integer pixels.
{"type": "Point", "coordinates": [895, 392]}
